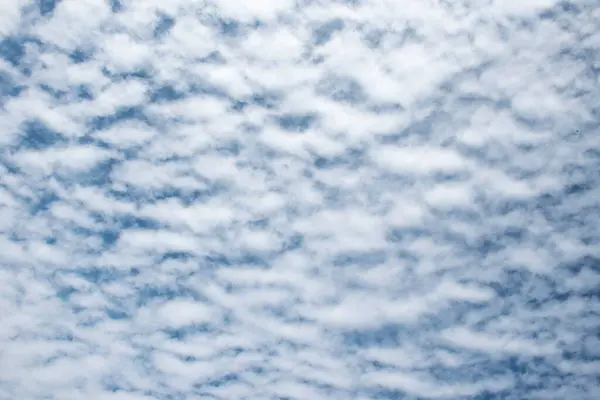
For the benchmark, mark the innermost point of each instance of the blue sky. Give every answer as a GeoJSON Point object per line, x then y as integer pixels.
{"type": "Point", "coordinates": [299, 199]}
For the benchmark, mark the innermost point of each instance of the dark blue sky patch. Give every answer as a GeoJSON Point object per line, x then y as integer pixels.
{"type": "Point", "coordinates": [89, 140]}
{"type": "Point", "coordinates": [261, 223]}
{"type": "Point", "coordinates": [98, 275]}
{"type": "Point", "coordinates": [109, 237]}
{"type": "Point", "coordinates": [228, 27]}
{"type": "Point", "coordinates": [130, 221]}
{"type": "Point", "coordinates": [374, 37]}
{"type": "Point", "coordinates": [142, 195]}
{"type": "Point", "coordinates": [176, 255]}
{"type": "Point", "coordinates": [588, 349]}
{"type": "Point", "coordinates": [502, 206]}
{"type": "Point", "coordinates": [586, 55]}
{"type": "Point", "coordinates": [534, 291]}
{"type": "Point", "coordinates": [486, 246]}
{"type": "Point", "coordinates": [534, 123]}
{"type": "Point", "coordinates": [42, 201]}
{"type": "Point", "coordinates": [268, 100]}
{"type": "Point", "coordinates": [381, 393]}
{"type": "Point", "coordinates": [343, 89]}
{"type": "Point", "coordinates": [148, 293]}
{"type": "Point", "coordinates": [585, 261]}
{"type": "Point", "coordinates": [552, 206]}
{"type": "Point", "coordinates": [292, 243]}
{"type": "Point", "coordinates": [450, 176]}
{"type": "Point", "coordinates": [455, 312]}
{"type": "Point", "coordinates": [129, 194]}
{"type": "Point", "coordinates": [121, 76]}
{"type": "Point", "coordinates": [229, 148]}
{"type": "Point", "coordinates": [366, 259]}
{"type": "Point", "coordinates": [8, 88]}
{"type": "Point", "coordinates": [56, 94]}
{"type": "Point", "coordinates": [534, 373]}
{"type": "Point", "coordinates": [122, 114]}
{"type": "Point", "coordinates": [491, 243]}
{"type": "Point", "coordinates": [116, 5]}
{"type": "Point", "coordinates": [64, 292]}
{"type": "Point", "coordinates": [390, 137]}
{"type": "Point", "coordinates": [352, 158]}
{"type": "Point", "coordinates": [116, 313]}
{"type": "Point", "coordinates": [187, 331]}
{"type": "Point", "coordinates": [333, 196]}
{"type": "Point", "coordinates": [81, 55]}
{"type": "Point", "coordinates": [206, 87]}
{"type": "Point", "coordinates": [407, 258]}
{"type": "Point", "coordinates": [325, 32]}
{"type": "Point", "coordinates": [252, 260]}
{"type": "Point", "coordinates": [398, 235]}
{"type": "Point", "coordinates": [165, 93]}
{"type": "Point", "coordinates": [215, 260]}
{"type": "Point", "coordinates": [468, 373]}
{"type": "Point", "coordinates": [296, 122]}
{"type": "Point", "coordinates": [473, 101]}
{"type": "Point", "coordinates": [560, 9]}
{"type": "Point", "coordinates": [82, 92]}
{"type": "Point", "coordinates": [592, 158]}
{"type": "Point", "coordinates": [505, 394]}
{"type": "Point", "coordinates": [203, 395]}
{"type": "Point", "coordinates": [384, 107]}
{"type": "Point", "coordinates": [384, 336]}
{"type": "Point", "coordinates": [428, 126]}
{"type": "Point", "coordinates": [47, 7]}
{"type": "Point", "coordinates": [12, 50]}
{"type": "Point", "coordinates": [111, 383]}
{"type": "Point", "coordinates": [163, 25]}
{"type": "Point", "coordinates": [188, 198]}
{"type": "Point", "coordinates": [98, 175]}
{"type": "Point", "coordinates": [214, 57]}
{"type": "Point", "coordinates": [582, 181]}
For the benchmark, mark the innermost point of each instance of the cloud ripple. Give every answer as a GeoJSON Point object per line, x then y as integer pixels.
{"type": "Point", "coordinates": [299, 200]}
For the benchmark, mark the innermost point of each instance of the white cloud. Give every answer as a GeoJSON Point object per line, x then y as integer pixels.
{"type": "Point", "coordinates": [123, 54]}
{"type": "Point", "coordinates": [449, 195]}
{"type": "Point", "coordinates": [127, 134]}
{"type": "Point", "coordinates": [200, 219]}
{"type": "Point", "coordinates": [144, 241]}
{"type": "Point", "coordinates": [298, 199]}
{"type": "Point", "coordinates": [188, 39]}
{"type": "Point", "coordinates": [416, 385]}
{"type": "Point", "coordinates": [124, 94]}
{"type": "Point", "coordinates": [71, 159]}
{"type": "Point", "coordinates": [513, 7]}
{"type": "Point", "coordinates": [261, 9]}
{"type": "Point", "coordinates": [10, 17]}
{"type": "Point", "coordinates": [74, 23]}
{"type": "Point", "coordinates": [180, 313]}
{"type": "Point", "coordinates": [495, 343]}
{"type": "Point", "coordinates": [419, 160]}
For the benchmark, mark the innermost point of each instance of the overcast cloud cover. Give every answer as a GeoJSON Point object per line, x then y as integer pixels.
{"type": "Point", "coordinates": [299, 199]}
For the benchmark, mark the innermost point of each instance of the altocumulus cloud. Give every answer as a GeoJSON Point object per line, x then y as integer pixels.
{"type": "Point", "coordinates": [298, 199]}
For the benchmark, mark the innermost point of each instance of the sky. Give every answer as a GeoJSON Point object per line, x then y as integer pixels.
{"type": "Point", "coordinates": [299, 199]}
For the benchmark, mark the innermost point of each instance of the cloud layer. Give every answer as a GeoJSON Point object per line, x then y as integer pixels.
{"type": "Point", "coordinates": [299, 199]}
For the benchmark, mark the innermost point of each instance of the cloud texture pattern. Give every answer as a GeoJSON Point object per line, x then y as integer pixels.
{"type": "Point", "coordinates": [299, 199]}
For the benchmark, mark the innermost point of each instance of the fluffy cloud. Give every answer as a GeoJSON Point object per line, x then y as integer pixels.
{"type": "Point", "coordinates": [299, 200]}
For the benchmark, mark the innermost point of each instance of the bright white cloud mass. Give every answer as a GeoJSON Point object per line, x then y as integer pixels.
{"type": "Point", "coordinates": [299, 199]}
